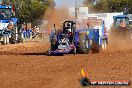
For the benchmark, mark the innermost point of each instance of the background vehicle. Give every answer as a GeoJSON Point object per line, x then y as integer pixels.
{"type": "Point", "coordinates": [121, 28]}
{"type": "Point", "coordinates": [9, 30]}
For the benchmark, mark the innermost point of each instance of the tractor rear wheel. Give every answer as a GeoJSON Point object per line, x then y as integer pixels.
{"type": "Point", "coordinates": [13, 36]}
{"type": "Point", "coordinates": [83, 44]}
{"type": "Point", "coordinates": [4, 40]}
{"type": "Point", "coordinates": [7, 39]}
{"type": "Point", "coordinates": [20, 39]}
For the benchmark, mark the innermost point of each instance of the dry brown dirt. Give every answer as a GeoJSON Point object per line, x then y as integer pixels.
{"type": "Point", "coordinates": [27, 66]}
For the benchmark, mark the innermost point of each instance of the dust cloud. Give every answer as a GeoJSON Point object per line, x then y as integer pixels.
{"type": "Point", "coordinates": [120, 42]}
{"type": "Point", "coordinates": [56, 16]}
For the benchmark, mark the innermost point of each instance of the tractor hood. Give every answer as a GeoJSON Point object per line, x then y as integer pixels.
{"type": "Point", "coordinates": [5, 23]}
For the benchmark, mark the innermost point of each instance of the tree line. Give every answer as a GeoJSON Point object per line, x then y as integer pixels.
{"type": "Point", "coordinates": [109, 6]}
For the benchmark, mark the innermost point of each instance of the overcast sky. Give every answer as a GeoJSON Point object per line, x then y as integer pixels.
{"type": "Point", "coordinates": [66, 3]}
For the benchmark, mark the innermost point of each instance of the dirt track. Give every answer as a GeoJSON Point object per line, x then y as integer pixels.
{"type": "Point", "coordinates": [27, 66]}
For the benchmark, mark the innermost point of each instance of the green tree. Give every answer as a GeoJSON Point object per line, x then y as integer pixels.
{"type": "Point", "coordinates": [110, 5]}
{"type": "Point", "coordinates": [32, 10]}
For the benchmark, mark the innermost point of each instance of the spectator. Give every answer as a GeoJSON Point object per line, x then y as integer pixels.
{"type": "Point", "coordinates": [29, 33]}
{"type": "Point", "coordinates": [24, 33]}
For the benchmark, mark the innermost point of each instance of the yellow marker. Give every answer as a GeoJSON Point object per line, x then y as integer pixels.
{"type": "Point", "coordinates": [83, 73]}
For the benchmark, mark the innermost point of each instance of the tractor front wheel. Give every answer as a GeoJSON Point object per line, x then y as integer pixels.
{"type": "Point", "coordinates": [53, 43]}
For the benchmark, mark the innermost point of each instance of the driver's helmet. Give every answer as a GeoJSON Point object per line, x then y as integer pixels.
{"type": "Point", "coordinates": [68, 27]}
{"type": "Point", "coordinates": [69, 24]}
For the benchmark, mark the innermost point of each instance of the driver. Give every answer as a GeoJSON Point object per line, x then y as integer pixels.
{"type": "Point", "coordinates": [122, 23]}
{"type": "Point", "coordinates": [69, 27]}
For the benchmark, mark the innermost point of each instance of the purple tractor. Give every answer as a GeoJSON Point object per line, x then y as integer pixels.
{"type": "Point", "coordinates": [70, 40]}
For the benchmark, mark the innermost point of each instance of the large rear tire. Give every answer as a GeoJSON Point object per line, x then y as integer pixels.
{"type": "Point", "coordinates": [4, 40]}
{"type": "Point", "coordinates": [20, 39]}
{"type": "Point", "coordinates": [83, 44]}
{"type": "Point", "coordinates": [13, 36]}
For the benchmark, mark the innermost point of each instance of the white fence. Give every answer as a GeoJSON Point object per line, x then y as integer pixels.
{"type": "Point", "coordinates": [107, 17]}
